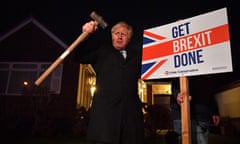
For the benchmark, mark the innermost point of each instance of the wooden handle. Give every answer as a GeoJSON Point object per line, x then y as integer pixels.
{"type": "Point", "coordinates": [82, 37]}
{"type": "Point", "coordinates": [99, 20]}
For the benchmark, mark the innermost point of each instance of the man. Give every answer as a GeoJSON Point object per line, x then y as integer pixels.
{"type": "Point", "coordinates": [116, 116]}
{"type": "Point", "coordinates": [203, 108]}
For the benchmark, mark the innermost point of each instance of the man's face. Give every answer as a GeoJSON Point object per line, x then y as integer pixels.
{"type": "Point", "coordinates": [120, 38]}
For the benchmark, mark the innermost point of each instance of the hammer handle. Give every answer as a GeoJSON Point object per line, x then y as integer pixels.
{"type": "Point", "coordinates": [82, 37]}
{"type": "Point", "coordinates": [99, 20]}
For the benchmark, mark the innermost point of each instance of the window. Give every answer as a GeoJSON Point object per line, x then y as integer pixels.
{"type": "Point", "coordinates": [14, 74]}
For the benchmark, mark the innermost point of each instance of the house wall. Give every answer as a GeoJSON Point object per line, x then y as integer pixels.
{"type": "Point", "coordinates": [228, 102]}
{"type": "Point", "coordinates": [54, 114]}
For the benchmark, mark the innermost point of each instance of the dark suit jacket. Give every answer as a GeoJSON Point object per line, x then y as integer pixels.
{"type": "Point", "coordinates": [116, 113]}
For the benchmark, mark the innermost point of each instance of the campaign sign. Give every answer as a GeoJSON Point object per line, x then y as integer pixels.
{"type": "Point", "coordinates": [193, 46]}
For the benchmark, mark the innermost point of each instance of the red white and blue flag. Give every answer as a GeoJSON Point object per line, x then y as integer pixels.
{"type": "Point", "coordinates": [193, 46]}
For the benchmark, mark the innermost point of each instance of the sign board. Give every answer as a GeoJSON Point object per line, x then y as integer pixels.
{"type": "Point", "coordinates": [193, 46]}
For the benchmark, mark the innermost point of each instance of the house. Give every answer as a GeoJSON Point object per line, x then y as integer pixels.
{"type": "Point", "coordinates": [26, 51]}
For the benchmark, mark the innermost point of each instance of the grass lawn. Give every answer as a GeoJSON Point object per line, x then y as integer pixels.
{"type": "Point", "coordinates": [46, 140]}
{"type": "Point", "coordinates": [59, 140]}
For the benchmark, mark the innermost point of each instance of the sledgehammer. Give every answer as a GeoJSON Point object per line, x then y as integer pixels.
{"type": "Point", "coordinates": [99, 20]}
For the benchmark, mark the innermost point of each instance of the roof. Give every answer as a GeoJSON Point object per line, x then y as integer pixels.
{"type": "Point", "coordinates": [30, 41]}
{"type": "Point", "coordinates": [36, 23]}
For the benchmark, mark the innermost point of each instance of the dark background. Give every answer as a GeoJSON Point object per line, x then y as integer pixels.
{"type": "Point", "coordinates": [64, 18]}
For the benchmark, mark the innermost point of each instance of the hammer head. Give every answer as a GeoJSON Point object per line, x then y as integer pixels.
{"type": "Point", "coordinates": [98, 19]}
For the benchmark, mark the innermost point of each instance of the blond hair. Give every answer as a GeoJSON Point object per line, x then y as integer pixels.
{"type": "Point", "coordinates": [123, 24]}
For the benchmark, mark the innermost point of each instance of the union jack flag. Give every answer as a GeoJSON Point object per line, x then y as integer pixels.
{"type": "Point", "coordinates": [153, 49]}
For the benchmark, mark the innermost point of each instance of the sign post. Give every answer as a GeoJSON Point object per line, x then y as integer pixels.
{"type": "Point", "coordinates": [185, 110]}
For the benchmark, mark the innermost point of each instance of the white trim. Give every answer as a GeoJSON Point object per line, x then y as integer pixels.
{"type": "Point", "coordinates": [39, 25]}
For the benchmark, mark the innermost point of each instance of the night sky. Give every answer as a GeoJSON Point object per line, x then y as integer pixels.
{"type": "Point", "coordinates": [65, 17]}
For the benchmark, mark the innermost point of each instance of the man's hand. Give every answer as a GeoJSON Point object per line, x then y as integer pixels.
{"type": "Point", "coordinates": [90, 27]}
{"type": "Point", "coordinates": [216, 120]}
{"type": "Point", "coordinates": [180, 98]}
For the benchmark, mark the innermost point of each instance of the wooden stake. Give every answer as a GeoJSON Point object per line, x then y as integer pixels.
{"type": "Point", "coordinates": [185, 111]}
